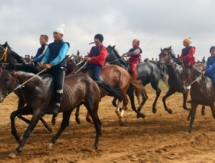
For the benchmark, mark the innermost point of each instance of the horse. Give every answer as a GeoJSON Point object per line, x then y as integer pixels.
{"type": "Point", "coordinates": [114, 75]}
{"type": "Point", "coordinates": [39, 99]}
{"type": "Point", "coordinates": [175, 68]}
{"type": "Point", "coordinates": [146, 73]}
{"type": "Point", "coordinates": [8, 56]}
{"type": "Point", "coordinates": [202, 91]}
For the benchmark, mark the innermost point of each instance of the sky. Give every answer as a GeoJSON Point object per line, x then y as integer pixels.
{"type": "Point", "coordinates": [156, 23]}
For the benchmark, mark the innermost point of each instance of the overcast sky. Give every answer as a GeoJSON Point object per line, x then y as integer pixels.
{"type": "Point", "coordinates": [156, 23]}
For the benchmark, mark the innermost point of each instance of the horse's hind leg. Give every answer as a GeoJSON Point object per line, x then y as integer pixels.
{"type": "Point", "coordinates": [46, 124]}
{"type": "Point", "coordinates": [193, 113]}
{"type": "Point", "coordinates": [92, 109]}
{"type": "Point", "coordinates": [203, 110]}
{"type": "Point", "coordinates": [130, 94]}
{"type": "Point", "coordinates": [77, 115]}
{"type": "Point", "coordinates": [144, 98]}
{"type": "Point", "coordinates": [169, 93]}
{"type": "Point", "coordinates": [158, 91]}
{"type": "Point", "coordinates": [64, 124]}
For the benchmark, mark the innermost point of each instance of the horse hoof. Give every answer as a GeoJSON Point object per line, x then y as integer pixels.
{"type": "Point", "coordinates": [189, 131]}
{"type": "Point", "coordinates": [140, 115]}
{"type": "Point", "coordinates": [53, 121]}
{"type": "Point", "coordinates": [95, 147]}
{"type": "Point", "coordinates": [50, 145]}
{"type": "Point", "coordinates": [154, 110]}
{"type": "Point", "coordinates": [169, 111]}
{"type": "Point", "coordinates": [12, 155]}
{"type": "Point", "coordinates": [78, 121]}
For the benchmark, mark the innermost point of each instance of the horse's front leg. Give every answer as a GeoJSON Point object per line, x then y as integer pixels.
{"type": "Point", "coordinates": [37, 113]}
{"type": "Point", "coordinates": [185, 93]}
{"type": "Point", "coordinates": [21, 104]}
{"type": "Point", "coordinates": [22, 111]}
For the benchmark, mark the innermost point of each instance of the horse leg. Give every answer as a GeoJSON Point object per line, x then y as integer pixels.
{"type": "Point", "coordinates": [117, 111]}
{"type": "Point", "coordinates": [130, 94]}
{"type": "Point", "coordinates": [144, 98]}
{"type": "Point", "coordinates": [212, 110]}
{"type": "Point", "coordinates": [193, 113]}
{"type": "Point", "coordinates": [46, 124]}
{"type": "Point", "coordinates": [114, 102]}
{"type": "Point", "coordinates": [21, 104]}
{"type": "Point", "coordinates": [77, 115]}
{"type": "Point", "coordinates": [64, 124]}
{"type": "Point", "coordinates": [169, 93]}
{"type": "Point", "coordinates": [89, 118]}
{"type": "Point", "coordinates": [34, 120]}
{"type": "Point", "coordinates": [185, 93]}
{"type": "Point", "coordinates": [92, 109]}
{"type": "Point", "coordinates": [125, 102]}
{"type": "Point", "coordinates": [203, 110]}
{"type": "Point", "coordinates": [158, 91]}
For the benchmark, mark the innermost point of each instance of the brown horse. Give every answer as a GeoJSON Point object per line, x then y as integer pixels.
{"type": "Point", "coordinates": [175, 68]}
{"type": "Point", "coordinates": [202, 91]}
{"type": "Point", "coordinates": [39, 98]}
{"type": "Point", "coordinates": [114, 76]}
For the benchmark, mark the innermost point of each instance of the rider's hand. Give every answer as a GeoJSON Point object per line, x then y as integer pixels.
{"type": "Point", "coordinates": [47, 66]}
{"type": "Point", "coordinates": [87, 59]}
{"type": "Point", "coordinates": [125, 55]}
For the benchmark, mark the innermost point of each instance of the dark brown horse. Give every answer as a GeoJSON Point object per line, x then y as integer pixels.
{"type": "Point", "coordinates": [114, 76]}
{"type": "Point", "coordinates": [174, 70]}
{"type": "Point", "coordinates": [8, 56]}
{"type": "Point", "coordinates": [39, 98]}
{"type": "Point", "coordinates": [202, 91]}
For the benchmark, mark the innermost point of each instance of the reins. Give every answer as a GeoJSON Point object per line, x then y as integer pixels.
{"type": "Point", "coordinates": [189, 86]}
{"type": "Point", "coordinates": [116, 60]}
{"type": "Point", "coordinates": [21, 85]}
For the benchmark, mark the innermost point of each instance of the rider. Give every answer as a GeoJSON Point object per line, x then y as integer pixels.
{"type": "Point", "coordinates": [134, 57]}
{"type": "Point", "coordinates": [55, 62]}
{"type": "Point", "coordinates": [42, 50]}
{"type": "Point", "coordinates": [187, 55]}
{"type": "Point", "coordinates": [96, 58]}
{"type": "Point", "coordinates": [210, 69]}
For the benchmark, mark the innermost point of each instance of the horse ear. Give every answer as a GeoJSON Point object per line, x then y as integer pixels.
{"type": "Point", "coordinates": [113, 47]}
{"type": "Point", "coordinates": [161, 49]}
{"type": "Point", "coordinates": [6, 43]}
{"type": "Point", "coordinates": [170, 47]}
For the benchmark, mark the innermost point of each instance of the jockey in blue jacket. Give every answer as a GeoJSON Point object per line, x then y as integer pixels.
{"type": "Point", "coordinates": [55, 62]}
{"type": "Point", "coordinates": [210, 69]}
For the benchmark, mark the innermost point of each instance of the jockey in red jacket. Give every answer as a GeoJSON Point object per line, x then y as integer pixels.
{"type": "Point", "coordinates": [187, 55]}
{"type": "Point", "coordinates": [134, 57]}
{"type": "Point", "coordinates": [96, 58]}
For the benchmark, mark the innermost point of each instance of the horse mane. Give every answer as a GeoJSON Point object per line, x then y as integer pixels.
{"type": "Point", "coordinates": [24, 67]}
{"type": "Point", "coordinates": [117, 55]}
{"type": "Point", "coordinates": [195, 71]}
{"type": "Point", "coordinates": [170, 50]}
{"type": "Point", "coordinates": [14, 54]}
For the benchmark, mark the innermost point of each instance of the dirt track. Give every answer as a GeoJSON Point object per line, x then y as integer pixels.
{"type": "Point", "coordinates": [158, 138]}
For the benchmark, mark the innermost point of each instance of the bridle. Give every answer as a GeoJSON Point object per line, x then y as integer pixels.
{"type": "Point", "coordinates": [4, 56]}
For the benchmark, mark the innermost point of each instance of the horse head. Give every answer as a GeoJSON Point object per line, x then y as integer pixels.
{"type": "Point", "coordinates": [7, 83]}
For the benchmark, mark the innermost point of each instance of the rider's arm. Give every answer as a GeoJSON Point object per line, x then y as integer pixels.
{"type": "Point", "coordinates": [136, 52]}
{"type": "Point", "coordinates": [102, 56]}
{"type": "Point", "coordinates": [61, 56]}
{"type": "Point", "coordinates": [46, 56]}
{"type": "Point", "coordinates": [37, 58]}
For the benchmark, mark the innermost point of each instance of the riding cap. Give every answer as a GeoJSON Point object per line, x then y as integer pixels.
{"type": "Point", "coordinates": [212, 47]}
{"type": "Point", "coordinates": [60, 29]}
{"type": "Point", "coordinates": [187, 40]}
{"type": "Point", "coordinates": [99, 37]}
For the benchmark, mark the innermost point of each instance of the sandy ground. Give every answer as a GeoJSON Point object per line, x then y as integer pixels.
{"type": "Point", "coordinates": [159, 138]}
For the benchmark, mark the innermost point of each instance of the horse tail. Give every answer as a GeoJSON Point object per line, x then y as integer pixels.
{"type": "Point", "coordinates": [163, 78]}
{"type": "Point", "coordinates": [138, 87]}
{"type": "Point", "coordinates": [113, 91]}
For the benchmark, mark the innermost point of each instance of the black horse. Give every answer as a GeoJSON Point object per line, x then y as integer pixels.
{"type": "Point", "coordinates": [11, 60]}
{"type": "Point", "coordinates": [175, 68]}
{"type": "Point", "coordinates": [39, 99]}
{"type": "Point", "coordinates": [146, 72]}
